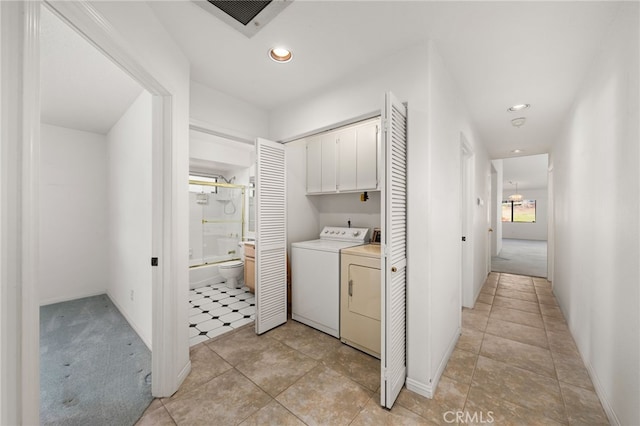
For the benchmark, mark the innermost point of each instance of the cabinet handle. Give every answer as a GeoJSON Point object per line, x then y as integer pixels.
{"type": "Point", "coordinates": [394, 269]}
{"type": "Point", "coordinates": [350, 288]}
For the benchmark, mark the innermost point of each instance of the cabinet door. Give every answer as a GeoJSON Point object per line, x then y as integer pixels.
{"type": "Point", "coordinates": [347, 168]}
{"type": "Point", "coordinates": [367, 158]}
{"type": "Point", "coordinates": [250, 273]}
{"type": "Point", "coordinates": [314, 168]}
{"type": "Point", "coordinates": [328, 162]}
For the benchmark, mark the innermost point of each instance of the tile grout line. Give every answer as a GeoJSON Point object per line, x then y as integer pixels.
{"type": "Point", "coordinates": [475, 364]}
{"type": "Point", "coordinates": [550, 352]}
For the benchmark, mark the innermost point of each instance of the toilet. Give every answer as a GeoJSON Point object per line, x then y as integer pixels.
{"type": "Point", "coordinates": [231, 272]}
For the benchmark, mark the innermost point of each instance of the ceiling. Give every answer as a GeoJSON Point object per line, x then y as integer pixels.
{"type": "Point", "coordinates": [80, 87]}
{"type": "Point", "coordinates": [499, 53]}
{"type": "Point", "coordinates": [529, 172]}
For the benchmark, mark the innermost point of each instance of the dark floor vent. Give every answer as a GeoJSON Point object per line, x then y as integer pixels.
{"type": "Point", "coordinates": [242, 11]}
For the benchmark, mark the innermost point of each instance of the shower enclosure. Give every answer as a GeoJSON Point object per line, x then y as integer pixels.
{"type": "Point", "coordinates": [216, 224]}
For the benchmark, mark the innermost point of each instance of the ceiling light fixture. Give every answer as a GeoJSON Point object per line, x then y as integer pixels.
{"type": "Point", "coordinates": [515, 197]}
{"type": "Point", "coordinates": [280, 54]}
{"type": "Point", "coordinates": [517, 151]}
{"type": "Point", "coordinates": [518, 107]}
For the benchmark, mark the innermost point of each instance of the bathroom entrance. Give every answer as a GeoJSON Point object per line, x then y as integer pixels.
{"type": "Point", "coordinates": [221, 234]}
{"type": "Point", "coordinates": [219, 298]}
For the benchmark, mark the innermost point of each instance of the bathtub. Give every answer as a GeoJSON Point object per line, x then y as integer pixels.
{"type": "Point", "coordinates": [204, 274]}
{"type": "Point", "coordinates": [208, 274]}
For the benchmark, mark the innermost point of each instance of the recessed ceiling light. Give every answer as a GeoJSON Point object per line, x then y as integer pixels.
{"type": "Point", "coordinates": [517, 151]}
{"type": "Point", "coordinates": [518, 107]}
{"type": "Point", "coordinates": [280, 54]}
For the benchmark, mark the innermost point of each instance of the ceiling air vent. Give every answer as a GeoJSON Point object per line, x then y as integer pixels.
{"type": "Point", "coordinates": [246, 16]}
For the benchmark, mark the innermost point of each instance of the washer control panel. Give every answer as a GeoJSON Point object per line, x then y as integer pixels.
{"type": "Point", "coordinates": [340, 233]}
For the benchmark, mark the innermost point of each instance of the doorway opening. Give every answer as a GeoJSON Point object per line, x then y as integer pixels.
{"type": "Point", "coordinates": [96, 300]}
{"type": "Point", "coordinates": [522, 215]}
{"type": "Point", "coordinates": [221, 235]}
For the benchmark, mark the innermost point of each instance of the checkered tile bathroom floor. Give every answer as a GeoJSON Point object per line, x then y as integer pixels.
{"type": "Point", "coordinates": [215, 309]}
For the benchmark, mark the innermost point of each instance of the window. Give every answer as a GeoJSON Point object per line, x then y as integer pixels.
{"type": "Point", "coordinates": [203, 188]}
{"type": "Point", "coordinates": [519, 211]}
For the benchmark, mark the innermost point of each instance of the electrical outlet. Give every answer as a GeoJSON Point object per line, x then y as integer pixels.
{"type": "Point", "coordinates": [131, 295]}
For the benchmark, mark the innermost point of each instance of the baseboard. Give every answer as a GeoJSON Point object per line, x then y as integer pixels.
{"type": "Point", "coordinates": [475, 297]}
{"type": "Point", "coordinates": [184, 373]}
{"type": "Point", "coordinates": [611, 415]}
{"type": "Point", "coordinates": [447, 355]}
{"type": "Point", "coordinates": [217, 279]}
{"type": "Point", "coordinates": [74, 297]}
{"type": "Point", "coordinates": [428, 390]}
{"type": "Point", "coordinates": [131, 322]}
{"type": "Point", "coordinates": [420, 388]}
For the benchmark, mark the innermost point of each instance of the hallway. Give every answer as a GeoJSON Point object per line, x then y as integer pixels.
{"type": "Point", "coordinates": [515, 363]}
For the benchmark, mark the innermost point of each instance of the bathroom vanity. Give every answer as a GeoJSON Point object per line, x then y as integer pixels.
{"type": "Point", "coordinates": [250, 266]}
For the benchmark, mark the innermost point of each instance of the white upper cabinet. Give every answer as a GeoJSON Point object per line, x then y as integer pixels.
{"type": "Point", "coordinates": [345, 159]}
{"type": "Point", "coordinates": [314, 165]}
{"type": "Point", "coordinates": [328, 142]}
{"type": "Point", "coordinates": [368, 158]}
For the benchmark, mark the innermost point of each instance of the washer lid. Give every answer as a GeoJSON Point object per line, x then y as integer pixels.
{"type": "Point", "coordinates": [324, 245]}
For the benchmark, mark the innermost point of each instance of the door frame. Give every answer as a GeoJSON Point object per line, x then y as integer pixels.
{"type": "Point", "coordinates": [20, 394]}
{"type": "Point", "coordinates": [466, 222]}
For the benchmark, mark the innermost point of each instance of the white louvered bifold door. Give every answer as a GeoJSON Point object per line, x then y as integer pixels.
{"type": "Point", "coordinates": [271, 236]}
{"type": "Point", "coordinates": [394, 259]}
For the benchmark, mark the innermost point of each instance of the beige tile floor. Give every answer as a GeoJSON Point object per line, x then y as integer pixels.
{"type": "Point", "coordinates": [515, 364]}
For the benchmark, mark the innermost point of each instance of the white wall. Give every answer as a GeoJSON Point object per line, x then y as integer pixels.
{"type": "Point", "coordinates": [415, 75]}
{"type": "Point", "coordinates": [530, 231]}
{"type": "Point", "coordinates": [209, 152]}
{"type": "Point", "coordinates": [73, 214]}
{"type": "Point", "coordinates": [338, 209]}
{"type": "Point", "coordinates": [157, 52]}
{"type": "Point", "coordinates": [130, 216]}
{"type": "Point", "coordinates": [596, 183]}
{"type": "Point", "coordinates": [227, 114]}
{"type": "Point", "coordinates": [303, 215]}
{"type": "Point", "coordinates": [447, 118]}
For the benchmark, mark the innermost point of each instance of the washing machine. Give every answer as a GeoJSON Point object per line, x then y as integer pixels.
{"type": "Point", "coordinates": [360, 309]}
{"type": "Point", "coordinates": [315, 277]}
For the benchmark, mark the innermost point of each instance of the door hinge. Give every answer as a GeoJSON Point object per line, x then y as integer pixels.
{"type": "Point", "coordinates": [154, 261]}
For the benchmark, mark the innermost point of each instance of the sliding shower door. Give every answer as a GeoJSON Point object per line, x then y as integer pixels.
{"type": "Point", "coordinates": [216, 220]}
